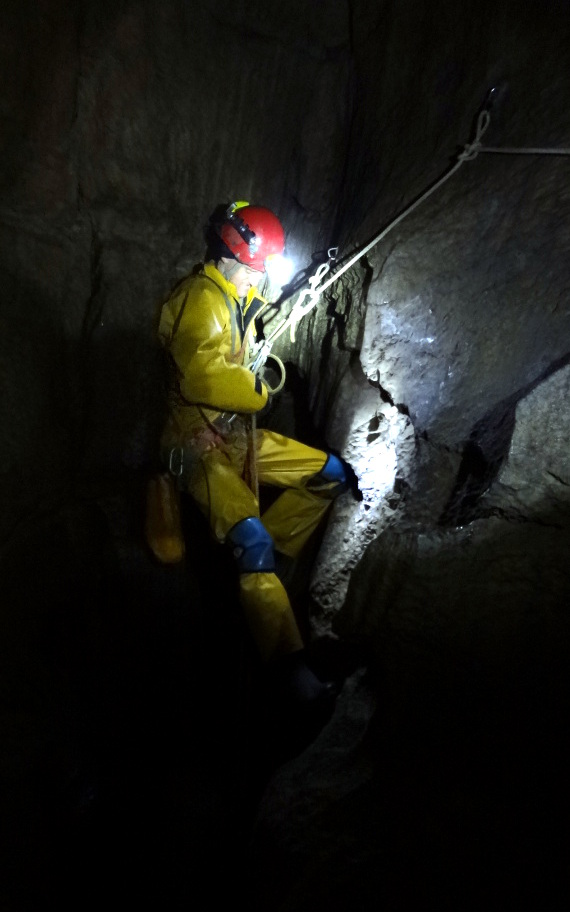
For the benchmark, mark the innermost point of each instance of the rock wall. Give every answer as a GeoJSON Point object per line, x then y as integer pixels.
{"type": "Point", "coordinates": [124, 126]}
{"type": "Point", "coordinates": [126, 122]}
{"type": "Point", "coordinates": [462, 309]}
{"type": "Point", "coordinates": [438, 367]}
{"type": "Point", "coordinates": [440, 780]}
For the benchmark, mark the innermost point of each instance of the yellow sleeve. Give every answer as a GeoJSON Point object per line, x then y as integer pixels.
{"type": "Point", "coordinates": [201, 348]}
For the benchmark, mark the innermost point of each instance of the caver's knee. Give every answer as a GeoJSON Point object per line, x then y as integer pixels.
{"type": "Point", "coordinates": [332, 479]}
{"type": "Point", "coordinates": [252, 546]}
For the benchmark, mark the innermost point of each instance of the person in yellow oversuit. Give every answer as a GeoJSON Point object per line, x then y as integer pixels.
{"type": "Point", "coordinates": [207, 326]}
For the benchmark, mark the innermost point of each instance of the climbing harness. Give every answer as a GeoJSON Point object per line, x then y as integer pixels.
{"type": "Point", "coordinates": [309, 297]}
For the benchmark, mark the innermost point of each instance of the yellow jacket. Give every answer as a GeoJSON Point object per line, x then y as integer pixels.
{"type": "Point", "coordinates": [207, 332]}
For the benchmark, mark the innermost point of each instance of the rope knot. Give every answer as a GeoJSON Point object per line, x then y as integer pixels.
{"type": "Point", "coordinates": [470, 151]}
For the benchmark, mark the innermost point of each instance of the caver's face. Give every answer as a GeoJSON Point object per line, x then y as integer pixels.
{"type": "Point", "coordinates": [243, 277]}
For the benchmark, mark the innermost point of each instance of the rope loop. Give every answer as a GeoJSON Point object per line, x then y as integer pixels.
{"type": "Point", "coordinates": [273, 390]}
{"type": "Point", "coordinates": [471, 150]}
{"type": "Point", "coordinates": [260, 355]}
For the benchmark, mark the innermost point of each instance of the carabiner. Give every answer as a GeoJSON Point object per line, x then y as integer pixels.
{"type": "Point", "coordinates": [176, 468]}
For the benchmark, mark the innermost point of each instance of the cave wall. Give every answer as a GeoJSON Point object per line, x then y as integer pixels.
{"type": "Point", "coordinates": [112, 124]}
{"type": "Point", "coordinates": [437, 367]}
{"type": "Point", "coordinates": [462, 309]}
{"type": "Point", "coordinates": [124, 125]}
{"type": "Point", "coordinates": [441, 779]}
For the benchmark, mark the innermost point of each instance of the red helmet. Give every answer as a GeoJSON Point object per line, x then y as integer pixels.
{"type": "Point", "coordinates": [252, 233]}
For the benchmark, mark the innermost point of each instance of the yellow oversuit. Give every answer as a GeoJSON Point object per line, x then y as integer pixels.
{"type": "Point", "coordinates": [207, 331]}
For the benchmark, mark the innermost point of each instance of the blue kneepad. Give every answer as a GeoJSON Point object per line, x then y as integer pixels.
{"type": "Point", "coordinates": [252, 546]}
{"type": "Point", "coordinates": [333, 470]}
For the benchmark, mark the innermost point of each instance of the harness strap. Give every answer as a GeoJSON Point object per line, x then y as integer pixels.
{"type": "Point", "coordinates": [236, 325]}
{"type": "Point", "coordinates": [179, 316]}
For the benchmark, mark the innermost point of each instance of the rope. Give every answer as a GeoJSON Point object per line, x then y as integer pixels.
{"type": "Point", "coordinates": [253, 476]}
{"type": "Point", "coordinates": [260, 355]}
{"type": "Point", "coordinates": [468, 153]}
{"type": "Point", "coordinates": [273, 390]}
{"type": "Point", "coordinates": [512, 151]}
{"type": "Point", "coordinates": [472, 149]}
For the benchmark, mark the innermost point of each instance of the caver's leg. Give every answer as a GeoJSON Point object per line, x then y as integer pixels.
{"type": "Point", "coordinates": [233, 514]}
{"type": "Point", "coordinates": [311, 477]}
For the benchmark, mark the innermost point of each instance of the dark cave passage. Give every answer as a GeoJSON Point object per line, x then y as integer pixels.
{"type": "Point", "coordinates": [143, 755]}
{"type": "Point", "coordinates": [136, 698]}
{"type": "Point", "coordinates": [146, 746]}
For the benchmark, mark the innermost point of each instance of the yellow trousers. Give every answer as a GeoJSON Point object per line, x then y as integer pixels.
{"type": "Point", "coordinates": [224, 498]}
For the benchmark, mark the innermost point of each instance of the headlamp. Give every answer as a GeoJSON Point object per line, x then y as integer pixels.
{"type": "Point", "coordinates": [279, 269]}
{"type": "Point", "coordinates": [240, 226]}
